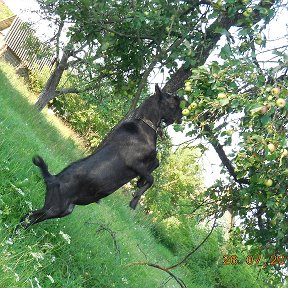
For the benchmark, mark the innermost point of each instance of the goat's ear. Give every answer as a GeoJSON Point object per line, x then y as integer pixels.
{"type": "Point", "coordinates": [158, 92]}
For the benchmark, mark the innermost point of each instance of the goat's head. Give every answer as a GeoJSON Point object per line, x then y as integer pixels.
{"type": "Point", "coordinates": [169, 105]}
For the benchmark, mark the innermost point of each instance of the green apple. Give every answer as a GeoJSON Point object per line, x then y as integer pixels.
{"type": "Point", "coordinates": [188, 83]}
{"type": "Point", "coordinates": [273, 222]}
{"type": "Point", "coordinates": [270, 98]}
{"type": "Point", "coordinates": [280, 102]}
{"type": "Point", "coordinates": [246, 14]}
{"type": "Point", "coordinates": [221, 95]}
{"type": "Point", "coordinates": [192, 106]}
{"type": "Point", "coordinates": [284, 153]}
{"type": "Point", "coordinates": [249, 10]}
{"type": "Point", "coordinates": [230, 132]}
{"type": "Point", "coordinates": [146, 13]}
{"type": "Point", "coordinates": [275, 91]}
{"type": "Point", "coordinates": [268, 183]}
{"type": "Point", "coordinates": [258, 36]}
{"type": "Point", "coordinates": [259, 41]}
{"type": "Point", "coordinates": [188, 88]}
{"type": "Point", "coordinates": [271, 147]}
{"type": "Point", "coordinates": [185, 112]}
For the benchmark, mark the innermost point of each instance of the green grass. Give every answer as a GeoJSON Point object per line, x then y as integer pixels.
{"type": "Point", "coordinates": [95, 245]}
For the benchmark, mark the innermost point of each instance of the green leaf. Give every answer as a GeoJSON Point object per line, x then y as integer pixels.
{"type": "Point", "coordinates": [265, 119]}
{"type": "Point", "coordinates": [225, 52]}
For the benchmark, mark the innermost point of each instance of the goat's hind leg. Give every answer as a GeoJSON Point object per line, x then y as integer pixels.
{"type": "Point", "coordinates": [46, 213]}
{"type": "Point", "coordinates": [32, 218]}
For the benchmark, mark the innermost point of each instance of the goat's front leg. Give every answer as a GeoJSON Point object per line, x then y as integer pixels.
{"type": "Point", "coordinates": [148, 181]}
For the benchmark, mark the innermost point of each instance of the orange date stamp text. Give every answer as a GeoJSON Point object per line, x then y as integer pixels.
{"type": "Point", "coordinates": [255, 260]}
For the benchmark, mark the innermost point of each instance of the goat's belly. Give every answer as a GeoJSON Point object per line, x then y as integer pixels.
{"type": "Point", "coordinates": [97, 185]}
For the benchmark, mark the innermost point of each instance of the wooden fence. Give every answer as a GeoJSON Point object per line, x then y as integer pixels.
{"type": "Point", "coordinates": [22, 43]}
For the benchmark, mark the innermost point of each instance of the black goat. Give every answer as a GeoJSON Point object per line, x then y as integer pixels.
{"type": "Point", "coordinates": [127, 152]}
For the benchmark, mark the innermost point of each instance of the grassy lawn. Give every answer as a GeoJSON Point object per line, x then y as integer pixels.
{"type": "Point", "coordinates": [94, 246]}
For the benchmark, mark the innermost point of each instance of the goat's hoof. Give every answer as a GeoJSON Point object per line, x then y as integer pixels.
{"type": "Point", "coordinates": [133, 203]}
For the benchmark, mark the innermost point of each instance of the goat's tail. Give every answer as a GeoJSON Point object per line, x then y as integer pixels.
{"type": "Point", "coordinates": [38, 161]}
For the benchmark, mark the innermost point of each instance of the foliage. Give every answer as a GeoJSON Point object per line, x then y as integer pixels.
{"type": "Point", "coordinates": [38, 79]}
{"type": "Point", "coordinates": [89, 117]}
{"type": "Point", "coordinates": [236, 104]}
{"type": "Point", "coordinates": [177, 184]}
{"type": "Point", "coordinates": [122, 45]}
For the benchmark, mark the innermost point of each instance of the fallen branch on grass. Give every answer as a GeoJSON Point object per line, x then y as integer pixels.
{"type": "Point", "coordinates": [103, 227]}
{"type": "Point", "coordinates": [167, 269]}
{"type": "Point", "coordinates": [177, 279]}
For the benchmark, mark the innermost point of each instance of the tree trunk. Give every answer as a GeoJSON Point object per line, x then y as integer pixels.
{"type": "Point", "coordinates": [202, 52]}
{"type": "Point", "coordinates": [49, 91]}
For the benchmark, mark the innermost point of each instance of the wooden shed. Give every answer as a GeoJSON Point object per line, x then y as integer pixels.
{"type": "Point", "coordinates": [22, 48]}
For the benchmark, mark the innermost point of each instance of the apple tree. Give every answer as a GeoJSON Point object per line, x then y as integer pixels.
{"type": "Point", "coordinates": [241, 109]}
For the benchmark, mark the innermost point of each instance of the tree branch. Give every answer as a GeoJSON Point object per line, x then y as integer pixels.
{"type": "Point", "coordinates": [61, 25]}
{"type": "Point", "coordinates": [167, 269]}
{"type": "Point", "coordinates": [196, 248]}
{"type": "Point", "coordinates": [177, 279]}
{"type": "Point", "coordinates": [160, 55]}
{"type": "Point", "coordinates": [223, 157]}
{"type": "Point", "coordinates": [210, 38]}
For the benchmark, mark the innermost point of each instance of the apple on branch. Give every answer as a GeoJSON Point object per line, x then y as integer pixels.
{"type": "Point", "coordinates": [221, 95]}
{"type": "Point", "coordinates": [275, 91]}
{"type": "Point", "coordinates": [271, 147]}
{"type": "Point", "coordinates": [268, 183]}
{"type": "Point", "coordinates": [192, 106]}
{"type": "Point", "coordinates": [185, 112]}
{"type": "Point", "coordinates": [280, 102]}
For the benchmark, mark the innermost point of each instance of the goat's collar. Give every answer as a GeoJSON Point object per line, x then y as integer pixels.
{"type": "Point", "coordinates": [149, 123]}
